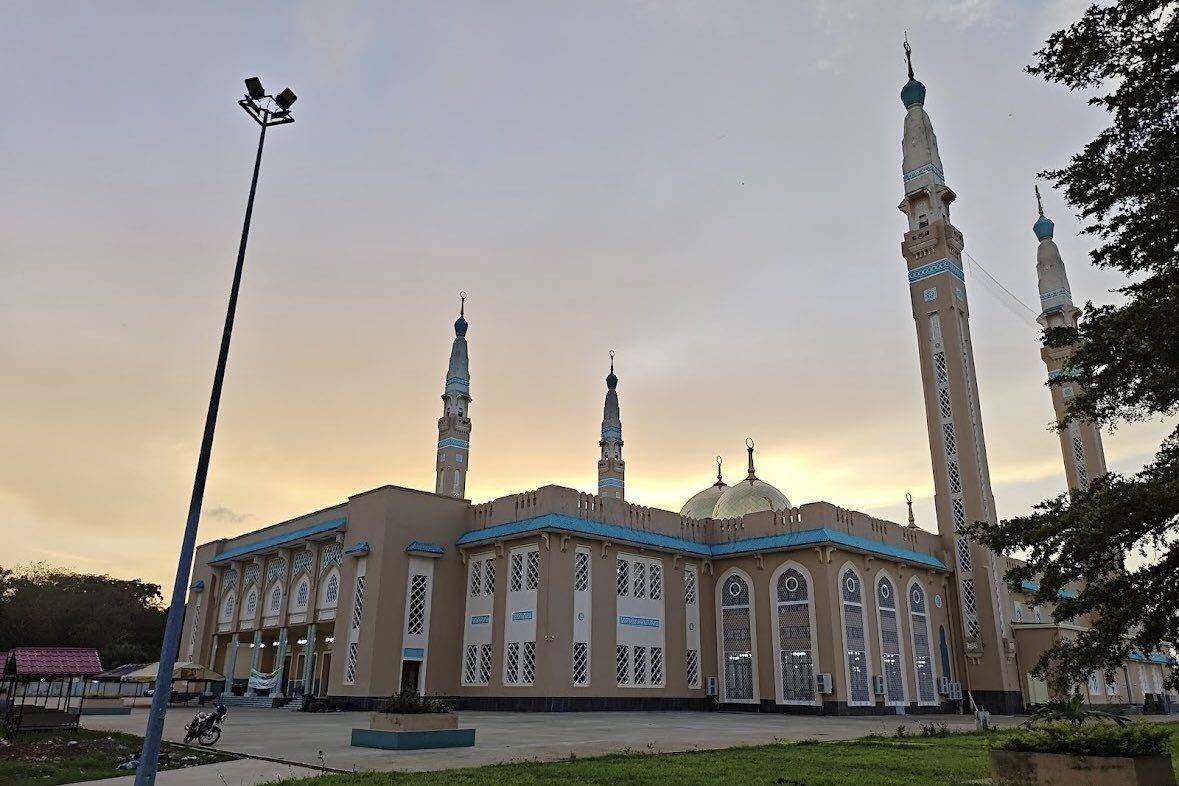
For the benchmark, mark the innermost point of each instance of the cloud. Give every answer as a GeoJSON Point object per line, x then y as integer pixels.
{"type": "Point", "coordinates": [336, 34]}
{"type": "Point", "coordinates": [228, 515]}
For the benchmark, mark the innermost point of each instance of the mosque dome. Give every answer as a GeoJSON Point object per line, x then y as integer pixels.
{"type": "Point", "coordinates": [912, 93]}
{"type": "Point", "coordinates": [750, 495]}
{"type": "Point", "coordinates": [701, 505]}
{"type": "Point", "coordinates": [1043, 227]}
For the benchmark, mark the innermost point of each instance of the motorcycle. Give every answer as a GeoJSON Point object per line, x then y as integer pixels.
{"type": "Point", "coordinates": [206, 726]}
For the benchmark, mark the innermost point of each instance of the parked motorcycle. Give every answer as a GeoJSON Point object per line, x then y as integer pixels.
{"type": "Point", "coordinates": [206, 726]}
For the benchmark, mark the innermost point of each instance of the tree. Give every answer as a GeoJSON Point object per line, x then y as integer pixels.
{"type": "Point", "coordinates": [42, 606]}
{"type": "Point", "coordinates": [1118, 539]}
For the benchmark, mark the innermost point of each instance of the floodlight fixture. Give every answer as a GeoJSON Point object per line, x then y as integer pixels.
{"type": "Point", "coordinates": [285, 99]}
{"type": "Point", "coordinates": [254, 88]}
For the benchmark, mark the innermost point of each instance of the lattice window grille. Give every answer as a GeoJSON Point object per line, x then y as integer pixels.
{"type": "Point", "coordinates": [489, 576]}
{"type": "Point", "coordinates": [640, 665]}
{"type": "Point", "coordinates": [690, 587]}
{"type": "Point", "coordinates": [476, 578]}
{"type": "Point", "coordinates": [302, 594]}
{"type": "Point", "coordinates": [736, 627]}
{"type": "Point", "coordinates": [657, 666]}
{"type": "Point", "coordinates": [229, 580]}
{"type": "Point", "coordinates": [922, 651]}
{"type": "Point", "coordinates": [794, 637]}
{"type": "Point", "coordinates": [948, 434]}
{"type": "Point", "coordinates": [358, 603]}
{"type": "Point", "coordinates": [533, 575]}
{"type": "Point", "coordinates": [656, 582]}
{"type": "Point", "coordinates": [512, 675]}
{"type": "Point", "coordinates": [580, 663]}
{"type": "Point", "coordinates": [415, 621]}
{"type": "Point", "coordinates": [276, 568]}
{"type": "Point", "coordinates": [692, 664]}
{"type": "Point", "coordinates": [581, 570]}
{"type": "Point", "coordinates": [528, 663]}
{"type": "Point", "coordinates": [333, 590]}
{"type": "Point", "coordinates": [854, 638]}
{"type": "Point", "coordinates": [484, 664]}
{"type": "Point", "coordinates": [939, 367]}
{"type": "Point", "coordinates": [517, 582]}
{"type": "Point", "coordinates": [970, 605]}
{"type": "Point", "coordinates": [470, 664]}
{"type": "Point", "coordinates": [252, 572]}
{"type": "Point", "coordinates": [622, 664]}
{"type": "Point", "coordinates": [275, 599]}
{"type": "Point", "coordinates": [1079, 455]}
{"type": "Point", "coordinates": [251, 603]}
{"type": "Point", "coordinates": [623, 578]}
{"type": "Point", "coordinates": [331, 555]}
{"type": "Point", "coordinates": [350, 664]}
{"type": "Point", "coordinates": [963, 554]}
{"type": "Point", "coordinates": [959, 509]}
{"type": "Point", "coordinates": [640, 571]}
{"type": "Point", "coordinates": [890, 642]}
{"type": "Point", "coordinates": [955, 478]}
{"type": "Point", "coordinates": [301, 562]}
{"type": "Point", "coordinates": [196, 622]}
{"type": "Point", "coordinates": [227, 609]}
{"type": "Point", "coordinates": [943, 397]}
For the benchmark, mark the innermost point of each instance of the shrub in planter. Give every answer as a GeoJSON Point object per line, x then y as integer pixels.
{"type": "Point", "coordinates": [410, 703]}
{"type": "Point", "coordinates": [1079, 754]}
{"type": "Point", "coordinates": [1090, 739]}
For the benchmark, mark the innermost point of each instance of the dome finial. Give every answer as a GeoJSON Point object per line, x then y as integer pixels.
{"type": "Point", "coordinates": [460, 324]}
{"type": "Point", "coordinates": [720, 481]}
{"type": "Point", "coordinates": [908, 54]}
{"type": "Point", "coordinates": [913, 92]}
{"type": "Point", "coordinates": [1043, 227]}
{"type": "Point", "coordinates": [1039, 203]}
{"type": "Point", "coordinates": [611, 378]}
{"type": "Point", "coordinates": [909, 502]}
{"type": "Point", "coordinates": [749, 449]}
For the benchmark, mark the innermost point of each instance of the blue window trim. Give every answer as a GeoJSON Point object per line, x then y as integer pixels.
{"type": "Point", "coordinates": [1034, 586]}
{"type": "Point", "coordinates": [810, 537]}
{"type": "Point", "coordinates": [279, 540]}
{"type": "Point", "coordinates": [424, 547]}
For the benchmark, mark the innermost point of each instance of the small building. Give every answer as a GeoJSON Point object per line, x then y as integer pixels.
{"type": "Point", "coordinates": [40, 687]}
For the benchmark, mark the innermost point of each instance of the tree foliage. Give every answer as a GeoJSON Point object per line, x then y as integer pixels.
{"type": "Point", "coordinates": [1119, 538]}
{"type": "Point", "coordinates": [42, 606]}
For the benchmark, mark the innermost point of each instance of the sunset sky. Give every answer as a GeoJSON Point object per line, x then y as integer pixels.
{"type": "Point", "coordinates": [707, 188]}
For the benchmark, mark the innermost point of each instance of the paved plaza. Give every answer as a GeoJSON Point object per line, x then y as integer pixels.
{"type": "Point", "coordinates": [298, 738]}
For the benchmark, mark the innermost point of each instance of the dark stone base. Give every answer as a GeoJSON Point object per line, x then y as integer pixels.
{"type": "Point", "coordinates": [839, 708]}
{"type": "Point", "coordinates": [580, 703]}
{"type": "Point", "coordinates": [413, 740]}
{"type": "Point", "coordinates": [996, 702]}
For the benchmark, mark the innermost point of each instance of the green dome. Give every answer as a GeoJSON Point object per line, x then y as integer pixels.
{"type": "Point", "coordinates": [751, 495]}
{"type": "Point", "coordinates": [912, 93]}
{"type": "Point", "coordinates": [701, 504]}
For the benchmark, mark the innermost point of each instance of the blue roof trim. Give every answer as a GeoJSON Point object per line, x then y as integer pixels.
{"type": "Point", "coordinates": [614, 532]}
{"type": "Point", "coordinates": [1034, 586]}
{"type": "Point", "coordinates": [358, 548]}
{"type": "Point", "coordinates": [423, 546]}
{"type": "Point", "coordinates": [278, 540]}
{"type": "Point", "coordinates": [197, 585]}
{"type": "Point", "coordinates": [1154, 657]}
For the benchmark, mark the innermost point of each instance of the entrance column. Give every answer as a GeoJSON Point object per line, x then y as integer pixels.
{"type": "Point", "coordinates": [308, 658]}
{"type": "Point", "coordinates": [255, 654]}
{"type": "Point", "coordinates": [281, 688]}
{"type": "Point", "coordinates": [231, 664]}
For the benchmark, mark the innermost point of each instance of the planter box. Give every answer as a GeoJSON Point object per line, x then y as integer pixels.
{"type": "Point", "coordinates": [424, 721]}
{"type": "Point", "coordinates": [1057, 769]}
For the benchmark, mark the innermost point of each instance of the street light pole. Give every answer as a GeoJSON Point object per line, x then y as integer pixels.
{"type": "Point", "coordinates": [145, 774]}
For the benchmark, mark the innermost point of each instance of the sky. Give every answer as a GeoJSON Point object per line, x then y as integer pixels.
{"type": "Point", "coordinates": [707, 188]}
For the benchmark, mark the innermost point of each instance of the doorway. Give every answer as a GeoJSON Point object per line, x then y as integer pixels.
{"type": "Point", "coordinates": [410, 672]}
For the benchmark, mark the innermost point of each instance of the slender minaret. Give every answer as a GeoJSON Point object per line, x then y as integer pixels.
{"type": "Point", "coordinates": [932, 249]}
{"type": "Point", "coordinates": [611, 467]}
{"type": "Point", "coordinates": [1080, 441]}
{"type": "Point", "coordinates": [454, 427]}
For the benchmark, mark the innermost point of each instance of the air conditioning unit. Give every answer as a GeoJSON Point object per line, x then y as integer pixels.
{"type": "Point", "coordinates": [710, 688]}
{"type": "Point", "coordinates": [943, 685]}
{"type": "Point", "coordinates": [823, 683]}
{"type": "Point", "coordinates": [956, 690]}
{"type": "Point", "coordinates": [878, 684]}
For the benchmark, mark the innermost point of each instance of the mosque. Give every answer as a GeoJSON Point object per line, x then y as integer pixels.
{"type": "Point", "coordinates": [558, 599]}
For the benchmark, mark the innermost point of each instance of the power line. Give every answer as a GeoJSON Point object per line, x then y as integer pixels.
{"type": "Point", "coordinates": [1002, 294]}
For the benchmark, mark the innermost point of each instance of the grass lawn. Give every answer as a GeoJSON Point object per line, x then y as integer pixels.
{"type": "Point", "coordinates": [44, 758]}
{"type": "Point", "coordinates": [884, 761]}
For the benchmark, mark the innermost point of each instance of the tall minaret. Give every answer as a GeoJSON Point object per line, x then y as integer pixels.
{"type": "Point", "coordinates": [611, 467]}
{"type": "Point", "coordinates": [1080, 442]}
{"type": "Point", "coordinates": [932, 249]}
{"type": "Point", "coordinates": [454, 427]}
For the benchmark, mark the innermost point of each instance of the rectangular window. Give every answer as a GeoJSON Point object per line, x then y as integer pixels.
{"type": "Point", "coordinates": [640, 570]}
{"type": "Point", "coordinates": [580, 663]}
{"type": "Point", "coordinates": [417, 605]}
{"type": "Point", "coordinates": [622, 659]}
{"type": "Point", "coordinates": [640, 665]}
{"type": "Point", "coordinates": [512, 667]}
{"type": "Point", "coordinates": [656, 581]}
{"type": "Point", "coordinates": [350, 665]}
{"type": "Point", "coordinates": [528, 663]}
{"type": "Point", "coordinates": [690, 587]}
{"type": "Point", "coordinates": [533, 577]}
{"type": "Point", "coordinates": [623, 578]}
{"type": "Point", "coordinates": [484, 664]}
{"type": "Point", "coordinates": [358, 603]}
{"type": "Point", "coordinates": [581, 571]}
{"type": "Point", "coordinates": [469, 665]}
{"type": "Point", "coordinates": [476, 578]}
{"type": "Point", "coordinates": [656, 665]}
{"type": "Point", "coordinates": [692, 661]}
{"type": "Point", "coordinates": [489, 576]}
{"type": "Point", "coordinates": [517, 572]}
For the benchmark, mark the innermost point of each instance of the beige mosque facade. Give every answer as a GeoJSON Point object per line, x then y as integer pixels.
{"type": "Point", "coordinates": [557, 599]}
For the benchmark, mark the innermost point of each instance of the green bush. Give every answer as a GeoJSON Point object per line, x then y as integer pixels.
{"type": "Point", "coordinates": [410, 703]}
{"type": "Point", "coordinates": [1091, 739]}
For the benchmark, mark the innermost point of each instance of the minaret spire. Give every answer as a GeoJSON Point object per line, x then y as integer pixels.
{"type": "Point", "coordinates": [1080, 441]}
{"type": "Point", "coordinates": [932, 248]}
{"type": "Point", "coordinates": [611, 467]}
{"type": "Point", "coordinates": [909, 502]}
{"type": "Point", "coordinates": [720, 481]}
{"type": "Point", "coordinates": [454, 427]}
{"type": "Point", "coordinates": [749, 449]}
{"type": "Point", "coordinates": [908, 54]}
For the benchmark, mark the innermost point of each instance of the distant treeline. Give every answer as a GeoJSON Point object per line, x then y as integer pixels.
{"type": "Point", "coordinates": [52, 607]}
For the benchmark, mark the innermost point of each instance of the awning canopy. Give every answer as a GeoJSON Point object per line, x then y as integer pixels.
{"type": "Point", "coordinates": [52, 662]}
{"type": "Point", "coordinates": [185, 670]}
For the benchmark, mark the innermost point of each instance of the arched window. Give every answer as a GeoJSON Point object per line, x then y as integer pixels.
{"type": "Point", "coordinates": [855, 641]}
{"type": "Point", "coordinates": [251, 604]}
{"type": "Point", "coordinates": [331, 590]}
{"type": "Point", "coordinates": [892, 654]}
{"type": "Point", "coordinates": [737, 641]}
{"type": "Point", "coordinates": [275, 599]}
{"type": "Point", "coordinates": [302, 594]}
{"type": "Point", "coordinates": [922, 644]}
{"type": "Point", "coordinates": [794, 631]}
{"type": "Point", "coordinates": [228, 606]}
